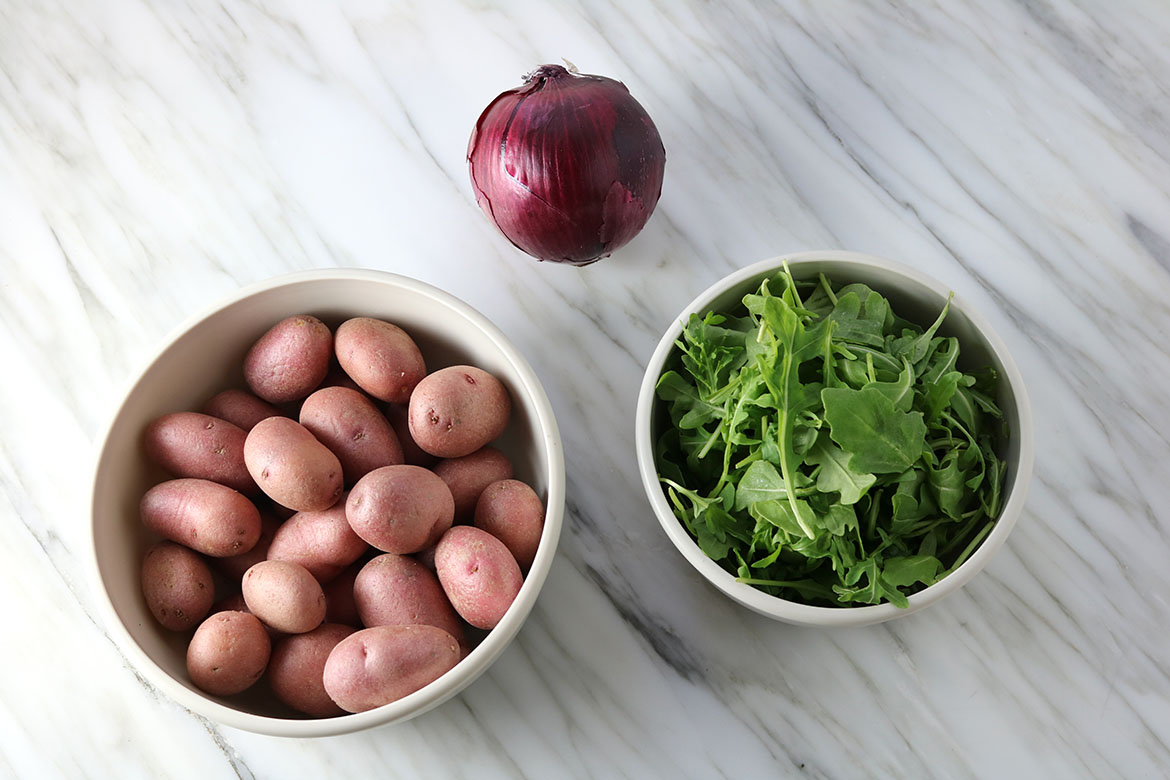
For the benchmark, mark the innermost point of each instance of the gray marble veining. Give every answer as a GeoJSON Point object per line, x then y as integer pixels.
{"type": "Point", "coordinates": [154, 156]}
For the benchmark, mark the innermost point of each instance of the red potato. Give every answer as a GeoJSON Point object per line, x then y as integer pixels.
{"type": "Point", "coordinates": [380, 357]}
{"type": "Point", "coordinates": [457, 410]}
{"type": "Point", "coordinates": [290, 360]}
{"type": "Point", "coordinates": [239, 408]}
{"type": "Point", "coordinates": [189, 444]}
{"type": "Point", "coordinates": [353, 429]}
{"type": "Point", "coordinates": [285, 596]}
{"type": "Point", "coordinates": [376, 666]}
{"type": "Point", "coordinates": [512, 512]}
{"type": "Point", "coordinates": [296, 670]}
{"type": "Point", "coordinates": [228, 653]}
{"type": "Point", "coordinates": [234, 566]}
{"type": "Point", "coordinates": [412, 454]}
{"type": "Point", "coordinates": [396, 590]}
{"type": "Point", "coordinates": [322, 542]}
{"type": "Point", "coordinates": [400, 509]}
{"type": "Point", "coordinates": [291, 466]}
{"type": "Point", "coordinates": [340, 606]}
{"type": "Point", "coordinates": [205, 516]}
{"type": "Point", "coordinates": [478, 574]}
{"type": "Point", "coordinates": [177, 586]}
{"type": "Point", "coordinates": [468, 476]}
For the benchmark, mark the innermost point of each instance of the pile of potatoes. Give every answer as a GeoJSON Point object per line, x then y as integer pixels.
{"type": "Point", "coordinates": [359, 530]}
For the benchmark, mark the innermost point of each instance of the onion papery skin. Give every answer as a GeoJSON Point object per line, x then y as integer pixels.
{"type": "Point", "coordinates": [568, 166]}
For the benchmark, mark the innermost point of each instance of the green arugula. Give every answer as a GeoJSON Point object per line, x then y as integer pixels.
{"type": "Point", "coordinates": [825, 450]}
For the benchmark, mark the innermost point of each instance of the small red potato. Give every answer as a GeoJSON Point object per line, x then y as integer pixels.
{"type": "Point", "coordinates": [290, 360]}
{"type": "Point", "coordinates": [240, 408]}
{"type": "Point", "coordinates": [291, 466]}
{"type": "Point", "coordinates": [478, 574]}
{"type": "Point", "coordinates": [412, 454]}
{"type": "Point", "coordinates": [512, 512]}
{"type": "Point", "coordinates": [376, 666]}
{"type": "Point", "coordinates": [285, 596]}
{"type": "Point", "coordinates": [468, 476]}
{"type": "Point", "coordinates": [457, 410]}
{"type": "Point", "coordinates": [396, 590]}
{"type": "Point", "coordinates": [322, 542]}
{"type": "Point", "coordinates": [234, 566]}
{"type": "Point", "coordinates": [380, 357]}
{"type": "Point", "coordinates": [353, 429]}
{"type": "Point", "coordinates": [177, 586]}
{"type": "Point", "coordinates": [340, 606]}
{"type": "Point", "coordinates": [400, 509]}
{"type": "Point", "coordinates": [189, 444]}
{"type": "Point", "coordinates": [205, 516]}
{"type": "Point", "coordinates": [228, 653]}
{"type": "Point", "coordinates": [296, 670]}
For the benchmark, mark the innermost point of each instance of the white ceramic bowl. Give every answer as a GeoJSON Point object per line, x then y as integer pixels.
{"type": "Point", "coordinates": [915, 296]}
{"type": "Point", "coordinates": [204, 356]}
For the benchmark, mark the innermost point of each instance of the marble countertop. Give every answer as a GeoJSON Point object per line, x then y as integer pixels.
{"type": "Point", "coordinates": [154, 156]}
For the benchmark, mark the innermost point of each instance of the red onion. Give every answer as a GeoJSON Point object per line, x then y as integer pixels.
{"type": "Point", "coordinates": [568, 166]}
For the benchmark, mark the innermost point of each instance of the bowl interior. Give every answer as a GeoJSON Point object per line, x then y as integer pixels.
{"type": "Point", "coordinates": [913, 296]}
{"type": "Point", "coordinates": [207, 356]}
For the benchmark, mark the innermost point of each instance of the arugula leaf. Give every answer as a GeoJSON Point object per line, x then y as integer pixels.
{"type": "Point", "coordinates": [821, 448]}
{"type": "Point", "coordinates": [865, 423]}
{"type": "Point", "coordinates": [761, 482]}
{"type": "Point", "coordinates": [901, 391]}
{"type": "Point", "coordinates": [836, 474]}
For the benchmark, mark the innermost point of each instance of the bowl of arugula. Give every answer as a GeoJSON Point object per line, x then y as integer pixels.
{"type": "Point", "coordinates": [834, 439]}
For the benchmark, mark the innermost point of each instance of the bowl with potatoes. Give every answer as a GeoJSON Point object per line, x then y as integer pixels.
{"type": "Point", "coordinates": [326, 504]}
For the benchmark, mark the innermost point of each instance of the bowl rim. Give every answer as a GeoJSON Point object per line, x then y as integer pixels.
{"type": "Point", "coordinates": [791, 611]}
{"type": "Point", "coordinates": [470, 667]}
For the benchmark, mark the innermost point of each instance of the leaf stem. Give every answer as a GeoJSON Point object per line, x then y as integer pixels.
{"type": "Point", "coordinates": [828, 288]}
{"type": "Point", "coordinates": [971, 547]}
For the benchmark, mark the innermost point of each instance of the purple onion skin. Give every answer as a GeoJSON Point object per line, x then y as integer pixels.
{"type": "Point", "coordinates": [568, 166]}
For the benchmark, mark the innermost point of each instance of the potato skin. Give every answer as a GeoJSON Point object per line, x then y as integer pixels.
{"type": "Point", "coordinates": [512, 512]}
{"type": "Point", "coordinates": [296, 670]}
{"type": "Point", "coordinates": [400, 509]}
{"type": "Point", "coordinates": [468, 476]}
{"type": "Point", "coordinates": [396, 590]}
{"type": "Point", "coordinates": [291, 466]}
{"type": "Point", "coordinates": [240, 408]}
{"type": "Point", "coordinates": [284, 595]}
{"type": "Point", "coordinates": [478, 574]}
{"type": "Point", "coordinates": [412, 454]}
{"type": "Point", "coordinates": [457, 410]}
{"type": "Point", "coordinates": [234, 566]}
{"type": "Point", "coordinates": [353, 429]}
{"type": "Point", "coordinates": [189, 444]}
{"type": "Point", "coordinates": [177, 586]}
{"type": "Point", "coordinates": [289, 360]}
{"type": "Point", "coordinates": [376, 666]}
{"type": "Point", "coordinates": [380, 357]}
{"type": "Point", "coordinates": [322, 542]}
{"type": "Point", "coordinates": [205, 516]}
{"type": "Point", "coordinates": [228, 653]}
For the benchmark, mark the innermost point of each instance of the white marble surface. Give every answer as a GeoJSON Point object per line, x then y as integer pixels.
{"type": "Point", "coordinates": [155, 155]}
